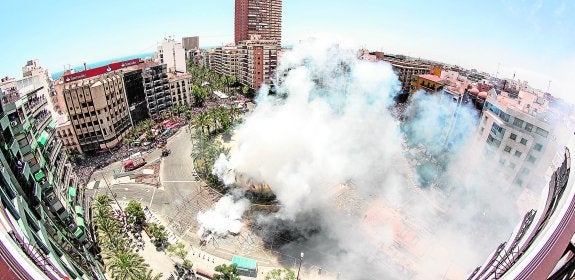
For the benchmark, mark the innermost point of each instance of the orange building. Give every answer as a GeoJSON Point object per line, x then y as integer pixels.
{"type": "Point", "coordinates": [427, 82]}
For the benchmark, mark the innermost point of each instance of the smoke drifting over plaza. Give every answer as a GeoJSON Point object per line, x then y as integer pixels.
{"type": "Point", "coordinates": [360, 192]}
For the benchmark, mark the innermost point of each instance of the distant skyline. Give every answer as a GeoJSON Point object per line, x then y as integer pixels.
{"type": "Point", "coordinates": [534, 39]}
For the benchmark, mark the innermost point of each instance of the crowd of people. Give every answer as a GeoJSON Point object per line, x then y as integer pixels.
{"type": "Point", "coordinates": [88, 164]}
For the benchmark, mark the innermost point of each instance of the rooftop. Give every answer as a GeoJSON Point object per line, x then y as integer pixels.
{"type": "Point", "coordinates": [432, 78]}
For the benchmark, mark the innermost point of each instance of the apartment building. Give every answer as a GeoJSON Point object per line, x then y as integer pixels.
{"type": "Point", "coordinates": [67, 135]}
{"type": "Point", "coordinates": [134, 88]}
{"type": "Point", "coordinates": [98, 110]}
{"type": "Point", "coordinates": [157, 90]}
{"type": "Point", "coordinates": [181, 89]}
{"type": "Point", "coordinates": [173, 55]}
{"type": "Point", "coordinates": [258, 17]}
{"type": "Point", "coordinates": [518, 131]}
{"type": "Point", "coordinates": [406, 70]}
{"type": "Point", "coordinates": [427, 82]}
{"type": "Point", "coordinates": [257, 61]}
{"type": "Point", "coordinates": [225, 61]}
{"type": "Point", "coordinates": [43, 227]}
{"type": "Point", "coordinates": [191, 46]}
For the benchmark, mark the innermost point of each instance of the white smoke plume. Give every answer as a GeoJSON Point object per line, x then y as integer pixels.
{"type": "Point", "coordinates": [224, 218]}
{"type": "Point", "coordinates": [360, 192]}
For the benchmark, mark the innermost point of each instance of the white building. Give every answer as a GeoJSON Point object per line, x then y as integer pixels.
{"type": "Point", "coordinates": [519, 131]}
{"type": "Point", "coordinates": [173, 55]}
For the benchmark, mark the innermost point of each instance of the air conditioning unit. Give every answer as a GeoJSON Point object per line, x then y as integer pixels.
{"type": "Point", "coordinates": [13, 123]}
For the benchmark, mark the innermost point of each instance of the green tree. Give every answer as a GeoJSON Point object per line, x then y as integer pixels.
{"type": "Point", "coordinates": [127, 265]}
{"type": "Point", "coordinates": [225, 272]}
{"type": "Point", "coordinates": [179, 250]}
{"type": "Point", "coordinates": [200, 95]}
{"type": "Point", "coordinates": [245, 90]}
{"type": "Point", "coordinates": [158, 233]}
{"type": "Point", "coordinates": [135, 212]}
{"type": "Point", "coordinates": [281, 274]}
{"type": "Point", "coordinates": [151, 276]}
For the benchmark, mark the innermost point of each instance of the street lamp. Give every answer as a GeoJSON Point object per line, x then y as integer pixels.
{"type": "Point", "coordinates": [299, 268]}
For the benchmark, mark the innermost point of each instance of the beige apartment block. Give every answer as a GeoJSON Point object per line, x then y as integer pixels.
{"type": "Point", "coordinates": [98, 111]}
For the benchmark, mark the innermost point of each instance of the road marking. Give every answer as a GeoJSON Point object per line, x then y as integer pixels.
{"type": "Point", "coordinates": [152, 199]}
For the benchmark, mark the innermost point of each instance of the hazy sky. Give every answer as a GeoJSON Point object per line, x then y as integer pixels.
{"type": "Point", "coordinates": [534, 38]}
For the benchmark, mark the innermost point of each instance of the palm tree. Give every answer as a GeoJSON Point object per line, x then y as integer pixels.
{"type": "Point", "coordinates": [102, 201]}
{"type": "Point", "coordinates": [127, 265]}
{"type": "Point", "coordinates": [151, 276]}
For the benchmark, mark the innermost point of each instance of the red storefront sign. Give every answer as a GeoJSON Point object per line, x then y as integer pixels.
{"type": "Point", "coordinates": [100, 70]}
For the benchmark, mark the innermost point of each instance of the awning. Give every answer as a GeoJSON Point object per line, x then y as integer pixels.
{"type": "Point", "coordinates": [39, 176]}
{"type": "Point", "coordinates": [80, 222]}
{"type": "Point", "coordinates": [72, 191]}
{"type": "Point", "coordinates": [244, 263]}
{"type": "Point", "coordinates": [79, 232]}
{"type": "Point", "coordinates": [79, 210]}
{"type": "Point", "coordinates": [43, 138]}
{"type": "Point", "coordinates": [204, 272]}
{"type": "Point", "coordinates": [52, 124]}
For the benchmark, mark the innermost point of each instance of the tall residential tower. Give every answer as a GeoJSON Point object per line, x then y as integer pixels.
{"type": "Point", "coordinates": [258, 17]}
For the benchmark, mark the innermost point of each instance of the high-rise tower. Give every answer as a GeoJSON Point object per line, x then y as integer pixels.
{"type": "Point", "coordinates": [258, 17]}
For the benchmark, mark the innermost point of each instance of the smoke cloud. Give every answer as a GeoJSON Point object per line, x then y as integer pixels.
{"type": "Point", "coordinates": [224, 218]}
{"type": "Point", "coordinates": [360, 192]}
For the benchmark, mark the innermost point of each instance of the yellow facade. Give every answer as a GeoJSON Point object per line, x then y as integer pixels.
{"type": "Point", "coordinates": [427, 82]}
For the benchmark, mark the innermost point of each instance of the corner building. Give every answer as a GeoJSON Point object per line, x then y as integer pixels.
{"type": "Point", "coordinates": [98, 110]}
{"type": "Point", "coordinates": [42, 227]}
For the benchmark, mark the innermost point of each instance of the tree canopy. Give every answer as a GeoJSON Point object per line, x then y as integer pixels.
{"type": "Point", "coordinates": [226, 272]}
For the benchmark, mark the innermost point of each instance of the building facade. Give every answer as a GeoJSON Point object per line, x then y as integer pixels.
{"type": "Point", "coordinates": [406, 70]}
{"type": "Point", "coordinates": [42, 225]}
{"type": "Point", "coordinates": [134, 88]}
{"type": "Point", "coordinates": [428, 82]}
{"type": "Point", "coordinates": [173, 55]}
{"type": "Point", "coordinates": [518, 131]}
{"type": "Point", "coordinates": [225, 61]}
{"type": "Point", "coordinates": [258, 17]}
{"type": "Point", "coordinates": [541, 246]}
{"type": "Point", "coordinates": [67, 135]}
{"type": "Point", "coordinates": [157, 90]}
{"type": "Point", "coordinates": [191, 45]}
{"type": "Point", "coordinates": [257, 61]}
{"type": "Point", "coordinates": [98, 110]}
{"type": "Point", "coordinates": [181, 89]}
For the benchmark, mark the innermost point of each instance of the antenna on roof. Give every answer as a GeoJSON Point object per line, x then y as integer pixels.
{"type": "Point", "coordinates": [497, 74]}
{"type": "Point", "coordinates": [548, 86]}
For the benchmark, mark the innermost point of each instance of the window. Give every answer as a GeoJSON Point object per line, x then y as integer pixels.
{"type": "Point", "coordinates": [528, 127]}
{"type": "Point", "coordinates": [518, 153]}
{"type": "Point", "coordinates": [507, 149]}
{"type": "Point", "coordinates": [518, 122]}
{"type": "Point", "coordinates": [523, 141]}
{"type": "Point", "coordinates": [537, 147]}
{"type": "Point", "coordinates": [502, 161]}
{"type": "Point", "coordinates": [504, 116]}
{"type": "Point", "coordinates": [512, 165]}
{"type": "Point", "coordinates": [513, 136]}
{"type": "Point", "coordinates": [531, 159]}
{"type": "Point", "coordinates": [519, 182]}
{"type": "Point", "coordinates": [525, 170]}
{"type": "Point", "coordinates": [541, 132]}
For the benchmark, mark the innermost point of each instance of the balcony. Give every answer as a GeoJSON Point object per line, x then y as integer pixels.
{"type": "Point", "coordinates": [35, 103]}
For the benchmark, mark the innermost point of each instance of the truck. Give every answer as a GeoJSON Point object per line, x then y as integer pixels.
{"type": "Point", "coordinates": [134, 163]}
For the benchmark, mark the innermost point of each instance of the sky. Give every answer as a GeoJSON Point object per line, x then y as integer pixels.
{"type": "Point", "coordinates": [534, 39]}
